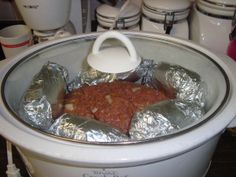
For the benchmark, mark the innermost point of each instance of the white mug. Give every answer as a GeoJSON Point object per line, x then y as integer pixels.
{"type": "Point", "coordinates": [14, 39]}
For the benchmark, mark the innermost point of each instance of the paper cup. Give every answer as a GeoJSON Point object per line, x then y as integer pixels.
{"type": "Point", "coordinates": [14, 39]}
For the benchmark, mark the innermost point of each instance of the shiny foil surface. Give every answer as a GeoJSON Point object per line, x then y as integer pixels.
{"type": "Point", "coordinates": [90, 77]}
{"type": "Point", "coordinates": [43, 100]}
{"type": "Point", "coordinates": [146, 71]}
{"type": "Point", "coordinates": [93, 77]}
{"type": "Point", "coordinates": [164, 118]}
{"type": "Point", "coordinates": [85, 129]}
{"type": "Point", "coordinates": [186, 84]}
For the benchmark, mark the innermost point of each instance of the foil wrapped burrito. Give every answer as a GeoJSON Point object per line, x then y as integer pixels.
{"type": "Point", "coordinates": [185, 84]}
{"type": "Point", "coordinates": [164, 118]}
{"type": "Point", "coordinates": [85, 129]}
{"type": "Point", "coordinates": [90, 76]}
{"type": "Point", "coordinates": [43, 100]}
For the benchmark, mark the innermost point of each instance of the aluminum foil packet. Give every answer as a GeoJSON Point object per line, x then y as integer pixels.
{"type": "Point", "coordinates": [145, 72]}
{"type": "Point", "coordinates": [186, 85]}
{"type": "Point", "coordinates": [91, 76]}
{"type": "Point", "coordinates": [43, 101]}
{"type": "Point", "coordinates": [164, 118]}
{"type": "Point", "coordinates": [85, 129]}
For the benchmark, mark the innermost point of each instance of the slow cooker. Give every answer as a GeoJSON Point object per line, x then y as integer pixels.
{"type": "Point", "coordinates": [185, 153]}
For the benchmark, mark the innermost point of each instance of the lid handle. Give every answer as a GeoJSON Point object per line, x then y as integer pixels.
{"type": "Point", "coordinates": [114, 34]}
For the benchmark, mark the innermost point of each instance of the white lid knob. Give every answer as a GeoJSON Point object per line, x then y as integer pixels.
{"type": "Point", "coordinates": [113, 59]}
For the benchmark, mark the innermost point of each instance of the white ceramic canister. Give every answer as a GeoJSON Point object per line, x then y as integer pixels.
{"type": "Point", "coordinates": [129, 17]}
{"type": "Point", "coordinates": [211, 23]}
{"type": "Point", "coordinates": [166, 17]}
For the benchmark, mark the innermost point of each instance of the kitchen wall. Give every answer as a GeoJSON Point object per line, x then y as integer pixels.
{"type": "Point", "coordinates": [8, 11]}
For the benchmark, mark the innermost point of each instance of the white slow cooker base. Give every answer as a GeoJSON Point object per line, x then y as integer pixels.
{"type": "Point", "coordinates": [202, 176]}
{"type": "Point", "coordinates": [209, 165]}
{"type": "Point", "coordinates": [194, 163]}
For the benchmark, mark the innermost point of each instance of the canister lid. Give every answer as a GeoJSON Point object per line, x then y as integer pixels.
{"type": "Point", "coordinates": [223, 2]}
{"type": "Point", "coordinates": [221, 8]}
{"type": "Point", "coordinates": [158, 9]}
{"type": "Point", "coordinates": [106, 15]}
{"type": "Point", "coordinates": [167, 5]}
{"type": "Point", "coordinates": [108, 11]}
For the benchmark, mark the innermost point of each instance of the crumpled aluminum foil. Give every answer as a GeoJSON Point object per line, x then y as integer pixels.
{"type": "Point", "coordinates": [186, 84]}
{"type": "Point", "coordinates": [43, 100]}
{"type": "Point", "coordinates": [164, 118]}
{"type": "Point", "coordinates": [85, 129]}
{"type": "Point", "coordinates": [144, 72]}
{"type": "Point", "coordinates": [91, 76]}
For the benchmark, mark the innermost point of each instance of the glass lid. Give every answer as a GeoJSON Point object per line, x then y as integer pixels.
{"type": "Point", "coordinates": [179, 111]}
